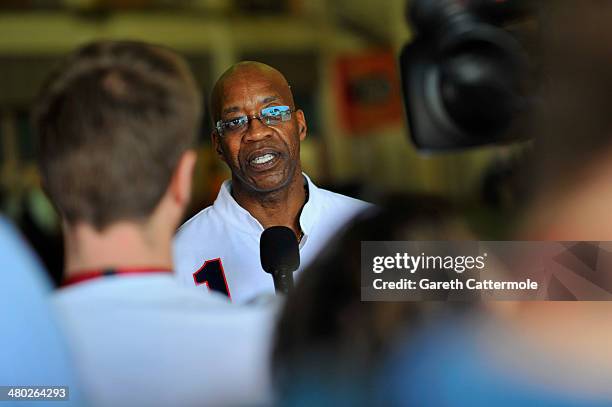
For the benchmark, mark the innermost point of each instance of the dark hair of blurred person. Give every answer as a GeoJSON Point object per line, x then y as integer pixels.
{"type": "Point", "coordinates": [112, 125]}
{"type": "Point", "coordinates": [328, 342]}
{"type": "Point", "coordinates": [116, 124]}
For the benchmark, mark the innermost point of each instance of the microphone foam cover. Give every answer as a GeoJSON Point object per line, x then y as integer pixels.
{"type": "Point", "coordinates": [279, 250]}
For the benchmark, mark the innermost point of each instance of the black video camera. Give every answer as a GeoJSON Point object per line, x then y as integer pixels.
{"type": "Point", "coordinates": [463, 75]}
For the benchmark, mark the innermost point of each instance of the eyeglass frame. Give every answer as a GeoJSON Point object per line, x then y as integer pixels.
{"type": "Point", "coordinates": [219, 125]}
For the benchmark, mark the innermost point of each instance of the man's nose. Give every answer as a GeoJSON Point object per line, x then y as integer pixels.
{"type": "Point", "coordinates": [257, 130]}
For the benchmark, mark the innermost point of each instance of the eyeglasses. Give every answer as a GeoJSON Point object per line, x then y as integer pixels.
{"type": "Point", "coordinates": [270, 116]}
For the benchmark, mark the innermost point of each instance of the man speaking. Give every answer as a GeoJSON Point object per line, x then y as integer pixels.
{"type": "Point", "coordinates": [257, 133]}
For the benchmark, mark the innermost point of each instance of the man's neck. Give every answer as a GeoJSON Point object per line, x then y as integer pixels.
{"type": "Point", "coordinates": [278, 208]}
{"type": "Point", "coordinates": [122, 245]}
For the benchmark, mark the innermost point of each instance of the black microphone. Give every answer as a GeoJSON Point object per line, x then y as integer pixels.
{"type": "Point", "coordinates": [280, 256]}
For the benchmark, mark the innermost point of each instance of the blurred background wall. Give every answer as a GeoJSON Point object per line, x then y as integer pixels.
{"type": "Point", "coordinates": [340, 57]}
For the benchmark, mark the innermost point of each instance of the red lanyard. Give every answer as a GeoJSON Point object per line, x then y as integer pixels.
{"type": "Point", "coordinates": [86, 275]}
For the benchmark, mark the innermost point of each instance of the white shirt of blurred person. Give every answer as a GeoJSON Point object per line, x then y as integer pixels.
{"type": "Point", "coordinates": [115, 126]}
{"type": "Point", "coordinates": [257, 134]}
{"type": "Point", "coordinates": [33, 351]}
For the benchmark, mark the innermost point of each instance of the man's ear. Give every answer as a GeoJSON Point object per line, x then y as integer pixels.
{"type": "Point", "coordinates": [216, 142]}
{"type": "Point", "coordinates": [301, 121]}
{"type": "Point", "coordinates": [180, 186]}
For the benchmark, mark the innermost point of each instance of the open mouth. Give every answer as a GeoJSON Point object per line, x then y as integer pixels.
{"type": "Point", "coordinates": [263, 159]}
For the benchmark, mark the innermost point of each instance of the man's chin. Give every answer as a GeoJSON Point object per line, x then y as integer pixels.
{"type": "Point", "coordinates": [266, 184]}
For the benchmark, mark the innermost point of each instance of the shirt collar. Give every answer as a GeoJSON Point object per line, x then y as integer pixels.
{"type": "Point", "coordinates": [234, 213]}
{"type": "Point", "coordinates": [310, 211]}
{"type": "Point", "coordinates": [242, 219]}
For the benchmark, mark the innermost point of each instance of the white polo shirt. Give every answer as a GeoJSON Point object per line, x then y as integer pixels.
{"type": "Point", "coordinates": [219, 247]}
{"type": "Point", "coordinates": [144, 340]}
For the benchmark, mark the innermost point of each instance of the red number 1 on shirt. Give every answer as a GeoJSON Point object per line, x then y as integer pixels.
{"type": "Point", "coordinates": [211, 273]}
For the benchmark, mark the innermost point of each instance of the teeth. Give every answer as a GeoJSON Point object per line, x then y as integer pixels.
{"type": "Point", "coordinates": [262, 159]}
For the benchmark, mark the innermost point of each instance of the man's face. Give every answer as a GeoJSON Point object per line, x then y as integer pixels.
{"type": "Point", "coordinates": [262, 158]}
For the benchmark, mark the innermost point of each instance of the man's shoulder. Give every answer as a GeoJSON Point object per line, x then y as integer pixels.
{"type": "Point", "coordinates": [343, 202]}
{"type": "Point", "coordinates": [203, 217]}
{"type": "Point", "coordinates": [208, 220]}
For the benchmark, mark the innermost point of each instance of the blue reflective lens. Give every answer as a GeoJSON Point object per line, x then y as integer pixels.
{"type": "Point", "coordinates": [278, 112]}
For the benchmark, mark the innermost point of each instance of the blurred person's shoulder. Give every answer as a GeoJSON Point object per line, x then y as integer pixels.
{"type": "Point", "coordinates": [154, 292]}
{"type": "Point", "coordinates": [148, 302]}
{"type": "Point", "coordinates": [14, 253]}
{"type": "Point", "coordinates": [148, 332]}
{"type": "Point", "coordinates": [488, 362]}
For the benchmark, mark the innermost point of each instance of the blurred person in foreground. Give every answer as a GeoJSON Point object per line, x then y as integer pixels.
{"type": "Point", "coordinates": [329, 344]}
{"type": "Point", "coordinates": [115, 126]}
{"type": "Point", "coordinates": [257, 133]}
{"type": "Point", "coordinates": [539, 353]}
{"type": "Point", "coordinates": [33, 351]}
